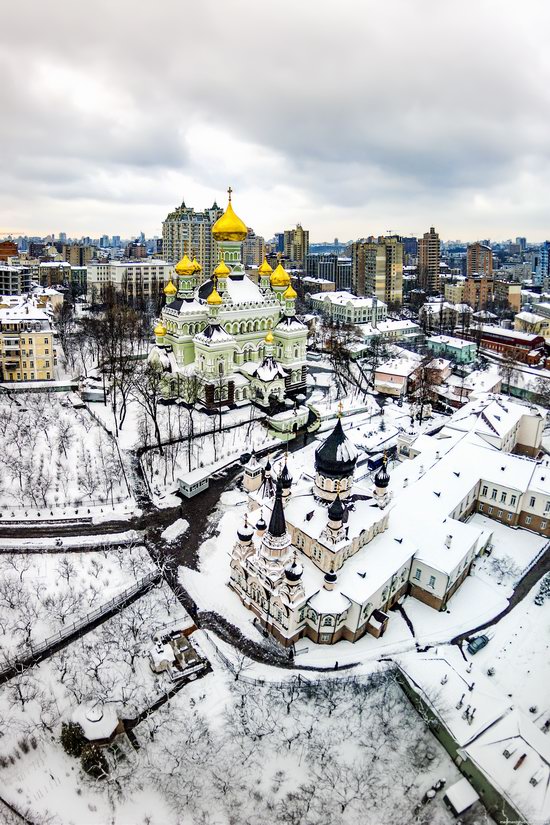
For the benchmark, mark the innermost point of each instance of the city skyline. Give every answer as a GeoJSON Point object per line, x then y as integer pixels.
{"type": "Point", "coordinates": [401, 121]}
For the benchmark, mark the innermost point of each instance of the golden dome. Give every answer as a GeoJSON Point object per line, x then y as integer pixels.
{"type": "Point", "coordinates": [196, 265]}
{"type": "Point", "coordinates": [170, 288]}
{"type": "Point", "coordinates": [265, 269]}
{"type": "Point", "coordinates": [280, 277]}
{"type": "Point", "coordinates": [185, 266]}
{"type": "Point", "coordinates": [160, 330]}
{"type": "Point", "coordinates": [229, 227]}
{"type": "Point", "coordinates": [214, 299]}
{"type": "Point", "coordinates": [269, 337]}
{"type": "Point", "coordinates": [222, 270]}
{"type": "Point", "coordinates": [290, 293]}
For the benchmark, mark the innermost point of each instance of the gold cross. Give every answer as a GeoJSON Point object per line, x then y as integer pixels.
{"type": "Point", "coordinates": [229, 190]}
{"type": "Point", "coordinates": [340, 409]}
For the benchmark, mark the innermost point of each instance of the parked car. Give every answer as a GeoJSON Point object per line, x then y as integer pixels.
{"type": "Point", "coordinates": [477, 644]}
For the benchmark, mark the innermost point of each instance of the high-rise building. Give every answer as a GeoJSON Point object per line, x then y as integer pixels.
{"type": "Point", "coordinates": [377, 269]}
{"type": "Point", "coordinates": [253, 249]}
{"type": "Point", "coordinates": [186, 232]}
{"type": "Point", "coordinates": [330, 267]}
{"type": "Point", "coordinates": [429, 248]}
{"type": "Point", "coordinates": [522, 242]}
{"type": "Point", "coordinates": [296, 244]}
{"type": "Point", "coordinates": [542, 270]}
{"type": "Point", "coordinates": [479, 260]}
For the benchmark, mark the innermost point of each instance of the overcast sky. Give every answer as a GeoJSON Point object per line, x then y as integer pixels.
{"type": "Point", "coordinates": [351, 117]}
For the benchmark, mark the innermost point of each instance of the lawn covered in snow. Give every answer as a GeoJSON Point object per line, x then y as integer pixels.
{"type": "Point", "coordinates": [41, 593]}
{"type": "Point", "coordinates": [53, 456]}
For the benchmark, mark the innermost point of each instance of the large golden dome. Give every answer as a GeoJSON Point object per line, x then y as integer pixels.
{"type": "Point", "coordinates": [280, 277]}
{"type": "Point", "coordinates": [185, 266]}
{"type": "Point", "coordinates": [196, 265]}
{"type": "Point", "coordinates": [229, 227]}
{"type": "Point", "coordinates": [290, 293]}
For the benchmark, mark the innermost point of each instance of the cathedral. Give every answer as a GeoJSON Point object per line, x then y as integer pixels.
{"type": "Point", "coordinates": [240, 340]}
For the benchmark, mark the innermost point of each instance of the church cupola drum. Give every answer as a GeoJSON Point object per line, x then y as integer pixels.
{"type": "Point", "coordinates": [335, 463]}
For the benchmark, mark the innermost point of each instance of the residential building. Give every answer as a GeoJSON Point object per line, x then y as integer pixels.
{"type": "Point", "coordinates": [27, 349]}
{"type": "Point", "coordinates": [478, 291]}
{"type": "Point", "coordinates": [78, 254]}
{"type": "Point", "coordinates": [454, 291]}
{"type": "Point", "coordinates": [533, 323]}
{"type": "Point", "coordinates": [296, 245]}
{"type": "Point", "coordinates": [438, 314]}
{"type": "Point", "coordinates": [8, 249]}
{"type": "Point", "coordinates": [138, 279]}
{"type": "Point", "coordinates": [458, 350]}
{"type": "Point", "coordinates": [330, 267]}
{"type": "Point", "coordinates": [522, 346]}
{"type": "Point", "coordinates": [14, 280]}
{"type": "Point", "coordinates": [479, 258]}
{"type": "Point", "coordinates": [53, 273]}
{"type": "Point", "coordinates": [429, 248]}
{"type": "Point", "coordinates": [377, 269]}
{"type": "Point", "coordinates": [507, 294]}
{"type": "Point", "coordinates": [542, 271]}
{"type": "Point", "coordinates": [349, 309]}
{"type": "Point", "coordinates": [189, 232]}
{"type": "Point", "coordinates": [403, 332]}
{"type": "Point", "coordinates": [253, 249]}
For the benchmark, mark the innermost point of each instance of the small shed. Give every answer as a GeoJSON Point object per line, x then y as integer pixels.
{"type": "Point", "coordinates": [460, 796]}
{"type": "Point", "coordinates": [194, 482]}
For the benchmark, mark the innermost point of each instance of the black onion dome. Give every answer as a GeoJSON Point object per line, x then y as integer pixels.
{"type": "Point", "coordinates": [245, 531]}
{"type": "Point", "coordinates": [331, 577]}
{"type": "Point", "coordinates": [336, 509]}
{"type": "Point", "coordinates": [268, 466]}
{"type": "Point", "coordinates": [286, 478]}
{"type": "Point", "coordinates": [382, 477]}
{"type": "Point", "coordinates": [260, 524]}
{"type": "Point", "coordinates": [337, 455]}
{"type": "Point", "coordinates": [294, 571]}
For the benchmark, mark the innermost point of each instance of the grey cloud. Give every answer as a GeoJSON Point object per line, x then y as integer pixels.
{"type": "Point", "coordinates": [405, 107]}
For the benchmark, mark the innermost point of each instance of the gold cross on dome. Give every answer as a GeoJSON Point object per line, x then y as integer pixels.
{"type": "Point", "coordinates": [229, 190]}
{"type": "Point", "coordinates": [340, 409]}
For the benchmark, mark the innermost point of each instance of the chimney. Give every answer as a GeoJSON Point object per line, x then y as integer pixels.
{"type": "Point", "coordinates": [448, 540]}
{"type": "Point", "coordinates": [520, 761]}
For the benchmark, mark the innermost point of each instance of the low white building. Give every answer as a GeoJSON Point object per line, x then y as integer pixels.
{"type": "Point", "coordinates": [145, 278]}
{"type": "Point", "coordinates": [348, 308]}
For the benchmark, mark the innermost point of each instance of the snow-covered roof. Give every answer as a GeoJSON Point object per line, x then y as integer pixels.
{"type": "Point", "coordinates": [329, 601]}
{"type": "Point", "coordinates": [443, 682]}
{"type": "Point", "coordinates": [531, 318]}
{"type": "Point", "coordinates": [244, 290]}
{"type": "Point", "coordinates": [385, 327]}
{"type": "Point", "coordinates": [450, 341]}
{"type": "Point", "coordinates": [269, 370]}
{"type": "Point", "coordinates": [97, 721]}
{"type": "Point", "coordinates": [515, 756]}
{"type": "Point", "coordinates": [345, 299]}
{"type": "Point", "coordinates": [25, 311]}
{"type": "Point", "coordinates": [461, 795]}
{"type": "Point", "coordinates": [214, 333]}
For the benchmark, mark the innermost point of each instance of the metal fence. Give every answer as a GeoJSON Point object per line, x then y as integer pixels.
{"type": "Point", "coordinates": [30, 651]}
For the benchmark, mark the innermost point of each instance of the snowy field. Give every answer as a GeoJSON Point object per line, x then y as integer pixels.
{"type": "Point", "coordinates": [41, 593]}
{"type": "Point", "coordinates": [54, 457]}
{"type": "Point", "coordinates": [225, 751]}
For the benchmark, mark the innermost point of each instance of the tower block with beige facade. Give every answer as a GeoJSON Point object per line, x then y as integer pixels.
{"type": "Point", "coordinates": [26, 344]}
{"type": "Point", "coordinates": [241, 340]}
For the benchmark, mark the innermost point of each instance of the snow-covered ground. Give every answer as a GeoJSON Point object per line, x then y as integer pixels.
{"type": "Point", "coordinates": [227, 751]}
{"type": "Point", "coordinates": [514, 551]}
{"type": "Point", "coordinates": [41, 593]}
{"type": "Point", "coordinates": [56, 461]}
{"type": "Point", "coordinates": [519, 652]}
{"type": "Point", "coordinates": [106, 666]}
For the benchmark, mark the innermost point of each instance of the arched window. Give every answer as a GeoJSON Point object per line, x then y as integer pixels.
{"type": "Point", "coordinates": [328, 620]}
